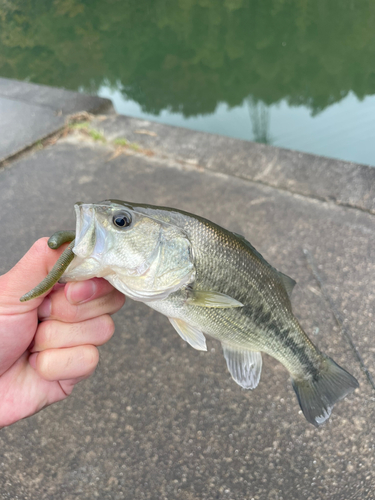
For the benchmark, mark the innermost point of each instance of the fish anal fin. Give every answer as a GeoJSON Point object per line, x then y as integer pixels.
{"type": "Point", "coordinates": [190, 334]}
{"type": "Point", "coordinates": [245, 366]}
{"type": "Point", "coordinates": [206, 298]}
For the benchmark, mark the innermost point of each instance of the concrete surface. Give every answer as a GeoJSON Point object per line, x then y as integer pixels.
{"type": "Point", "coordinates": [31, 112]}
{"type": "Point", "coordinates": [159, 420]}
{"type": "Point", "coordinates": [310, 175]}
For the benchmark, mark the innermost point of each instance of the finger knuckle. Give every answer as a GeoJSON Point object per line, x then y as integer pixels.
{"type": "Point", "coordinates": [76, 330]}
{"type": "Point", "coordinates": [67, 312]}
{"type": "Point", "coordinates": [43, 364]}
{"type": "Point", "coordinates": [45, 334]}
{"type": "Point", "coordinates": [108, 327]}
{"type": "Point", "coordinates": [117, 300]}
{"type": "Point", "coordinates": [92, 356]}
{"type": "Point", "coordinates": [121, 299]}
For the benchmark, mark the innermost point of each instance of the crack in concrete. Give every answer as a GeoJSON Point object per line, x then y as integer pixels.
{"type": "Point", "coordinates": [338, 317]}
{"type": "Point", "coordinates": [179, 162]}
{"type": "Point", "coordinates": [39, 144]}
{"type": "Point", "coordinates": [323, 199]}
{"type": "Point", "coordinates": [256, 180]}
{"type": "Point", "coordinates": [161, 157]}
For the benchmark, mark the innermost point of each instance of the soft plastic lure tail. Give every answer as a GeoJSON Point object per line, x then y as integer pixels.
{"type": "Point", "coordinates": [55, 241]}
{"type": "Point", "coordinates": [61, 237]}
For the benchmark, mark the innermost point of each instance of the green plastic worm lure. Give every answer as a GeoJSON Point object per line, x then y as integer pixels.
{"type": "Point", "coordinates": [55, 241]}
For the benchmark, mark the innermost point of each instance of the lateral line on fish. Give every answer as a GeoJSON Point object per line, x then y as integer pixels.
{"type": "Point", "coordinates": [337, 316]}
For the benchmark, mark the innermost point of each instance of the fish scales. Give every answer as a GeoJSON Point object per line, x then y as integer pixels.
{"type": "Point", "coordinates": [207, 281]}
{"type": "Point", "coordinates": [226, 264]}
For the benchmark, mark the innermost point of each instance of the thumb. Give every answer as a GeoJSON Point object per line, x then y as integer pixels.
{"type": "Point", "coordinates": [25, 275]}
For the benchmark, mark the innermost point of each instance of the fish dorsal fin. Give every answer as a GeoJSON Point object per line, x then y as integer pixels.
{"type": "Point", "coordinates": [289, 283]}
{"type": "Point", "coordinates": [254, 251]}
{"type": "Point", "coordinates": [205, 298]}
{"type": "Point", "coordinates": [245, 366]}
{"type": "Point", "coordinates": [248, 244]}
{"type": "Point", "coordinates": [190, 334]}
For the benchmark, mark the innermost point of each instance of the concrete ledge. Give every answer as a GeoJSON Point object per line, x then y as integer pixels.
{"type": "Point", "coordinates": [158, 419]}
{"type": "Point", "coordinates": [310, 175]}
{"type": "Point", "coordinates": [31, 112]}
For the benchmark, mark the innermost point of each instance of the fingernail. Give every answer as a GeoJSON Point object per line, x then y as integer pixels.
{"type": "Point", "coordinates": [44, 310]}
{"type": "Point", "coordinates": [32, 359]}
{"type": "Point", "coordinates": [81, 291]}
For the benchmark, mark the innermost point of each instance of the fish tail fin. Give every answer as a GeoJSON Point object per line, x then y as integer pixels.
{"type": "Point", "coordinates": [318, 395]}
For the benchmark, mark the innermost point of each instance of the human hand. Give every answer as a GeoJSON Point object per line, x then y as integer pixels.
{"type": "Point", "coordinates": [48, 345]}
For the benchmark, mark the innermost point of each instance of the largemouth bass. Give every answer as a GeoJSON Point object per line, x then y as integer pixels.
{"type": "Point", "coordinates": [207, 281]}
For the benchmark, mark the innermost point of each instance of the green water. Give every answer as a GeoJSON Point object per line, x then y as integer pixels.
{"type": "Point", "coordinates": [297, 74]}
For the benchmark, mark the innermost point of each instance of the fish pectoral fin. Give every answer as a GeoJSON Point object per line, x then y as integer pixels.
{"type": "Point", "coordinates": [289, 283]}
{"type": "Point", "coordinates": [245, 366]}
{"type": "Point", "coordinates": [190, 334]}
{"type": "Point", "coordinates": [205, 298]}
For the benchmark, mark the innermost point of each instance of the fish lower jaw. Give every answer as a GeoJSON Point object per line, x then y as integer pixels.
{"type": "Point", "coordinates": [83, 269]}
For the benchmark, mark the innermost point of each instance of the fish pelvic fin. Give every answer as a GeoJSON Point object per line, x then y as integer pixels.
{"type": "Point", "coordinates": [190, 334]}
{"type": "Point", "coordinates": [245, 366]}
{"type": "Point", "coordinates": [317, 396]}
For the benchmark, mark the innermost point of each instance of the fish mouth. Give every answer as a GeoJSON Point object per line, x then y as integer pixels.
{"type": "Point", "coordinates": [90, 235]}
{"type": "Point", "coordinates": [85, 230]}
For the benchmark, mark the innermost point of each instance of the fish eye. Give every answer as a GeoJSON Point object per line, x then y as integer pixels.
{"type": "Point", "coordinates": [122, 220]}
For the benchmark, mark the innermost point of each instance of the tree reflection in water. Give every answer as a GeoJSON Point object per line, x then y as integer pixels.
{"type": "Point", "coordinates": [190, 55]}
